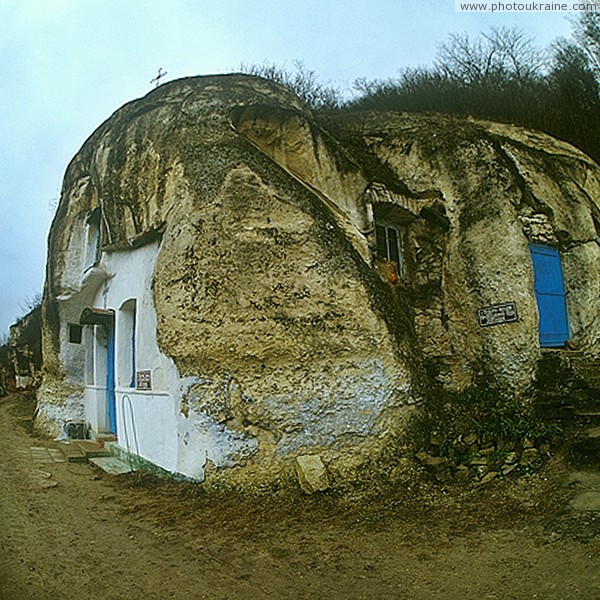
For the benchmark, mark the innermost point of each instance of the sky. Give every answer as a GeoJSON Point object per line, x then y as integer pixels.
{"type": "Point", "coordinates": [67, 65]}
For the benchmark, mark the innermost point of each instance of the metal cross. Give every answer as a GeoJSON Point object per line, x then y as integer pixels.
{"type": "Point", "coordinates": [160, 75]}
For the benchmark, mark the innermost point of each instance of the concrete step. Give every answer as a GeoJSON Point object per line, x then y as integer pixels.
{"type": "Point", "coordinates": [91, 449]}
{"type": "Point", "coordinates": [111, 465]}
{"type": "Point", "coordinates": [585, 447]}
{"type": "Point", "coordinates": [82, 450]}
{"type": "Point", "coordinates": [103, 438]}
{"type": "Point", "coordinates": [72, 452]}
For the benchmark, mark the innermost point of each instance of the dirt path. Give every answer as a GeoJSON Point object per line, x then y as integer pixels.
{"type": "Point", "coordinates": [96, 536]}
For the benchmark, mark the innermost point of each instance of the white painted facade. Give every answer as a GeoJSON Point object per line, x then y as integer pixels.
{"type": "Point", "coordinates": [147, 388]}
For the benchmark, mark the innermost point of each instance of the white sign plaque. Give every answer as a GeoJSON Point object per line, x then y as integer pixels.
{"type": "Point", "coordinates": [143, 380]}
{"type": "Point", "coordinates": [497, 314]}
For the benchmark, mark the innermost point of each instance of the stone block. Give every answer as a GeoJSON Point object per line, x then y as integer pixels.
{"type": "Point", "coordinates": [463, 474]}
{"type": "Point", "coordinates": [444, 475]}
{"type": "Point", "coordinates": [508, 468]}
{"type": "Point", "coordinates": [470, 439]}
{"type": "Point", "coordinates": [435, 439]}
{"type": "Point", "coordinates": [593, 433]}
{"type": "Point", "coordinates": [461, 447]}
{"type": "Point", "coordinates": [506, 446]}
{"type": "Point", "coordinates": [312, 474]}
{"type": "Point", "coordinates": [435, 462]}
{"type": "Point", "coordinates": [529, 456]}
{"type": "Point", "coordinates": [488, 477]}
{"type": "Point", "coordinates": [588, 500]}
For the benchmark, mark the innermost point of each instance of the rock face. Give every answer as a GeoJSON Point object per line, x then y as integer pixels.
{"type": "Point", "coordinates": [21, 357]}
{"type": "Point", "coordinates": [231, 284]}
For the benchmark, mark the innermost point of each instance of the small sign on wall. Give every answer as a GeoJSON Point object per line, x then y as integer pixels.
{"type": "Point", "coordinates": [497, 314]}
{"type": "Point", "coordinates": [143, 380]}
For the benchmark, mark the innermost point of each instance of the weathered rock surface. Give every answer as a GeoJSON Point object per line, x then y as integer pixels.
{"type": "Point", "coordinates": [286, 338]}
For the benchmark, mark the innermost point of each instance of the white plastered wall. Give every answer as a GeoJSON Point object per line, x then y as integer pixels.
{"type": "Point", "coordinates": [148, 421]}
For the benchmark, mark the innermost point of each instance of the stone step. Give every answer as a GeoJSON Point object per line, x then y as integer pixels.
{"type": "Point", "coordinates": [592, 433]}
{"type": "Point", "coordinates": [585, 360]}
{"type": "Point", "coordinates": [582, 401]}
{"type": "Point", "coordinates": [560, 352]}
{"type": "Point", "coordinates": [570, 386]}
{"type": "Point", "coordinates": [553, 413]}
{"type": "Point", "coordinates": [586, 413]}
{"type": "Point", "coordinates": [588, 376]}
{"type": "Point", "coordinates": [587, 490]}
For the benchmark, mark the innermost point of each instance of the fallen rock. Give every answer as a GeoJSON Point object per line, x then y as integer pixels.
{"type": "Point", "coordinates": [508, 468]}
{"type": "Point", "coordinates": [488, 477]}
{"type": "Point", "coordinates": [463, 474]}
{"type": "Point", "coordinates": [470, 439]}
{"type": "Point", "coordinates": [312, 474]}
{"type": "Point", "coordinates": [529, 456]}
{"type": "Point", "coordinates": [444, 475]}
{"type": "Point", "coordinates": [588, 500]}
{"type": "Point", "coordinates": [434, 462]}
{"type": "Point", "coordinates": [511, 458]}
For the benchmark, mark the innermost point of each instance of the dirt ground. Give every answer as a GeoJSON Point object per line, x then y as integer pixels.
{"type": "Point", "coordinates": [133, 537]}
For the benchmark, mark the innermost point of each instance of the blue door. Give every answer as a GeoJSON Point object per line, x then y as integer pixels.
{"type": "Point", "coordinates": [550, 295]}
{"type": "Point", "coordinates": [105, 320]}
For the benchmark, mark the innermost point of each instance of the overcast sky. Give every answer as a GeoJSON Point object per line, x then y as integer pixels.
{"type": "Point", "coordinates": [66, 65]}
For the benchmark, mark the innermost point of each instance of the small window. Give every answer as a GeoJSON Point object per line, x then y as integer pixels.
{"type": "Point", "coordinates": [389, 245]}
{"type": "Point", "coordinates": [75, 332]}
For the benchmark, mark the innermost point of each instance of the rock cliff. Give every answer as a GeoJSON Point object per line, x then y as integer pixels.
{"type": "Point", "coordinates": [289, 334]}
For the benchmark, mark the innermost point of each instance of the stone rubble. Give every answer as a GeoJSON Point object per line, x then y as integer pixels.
{"type": "Point", "coordinates": [470, 459]}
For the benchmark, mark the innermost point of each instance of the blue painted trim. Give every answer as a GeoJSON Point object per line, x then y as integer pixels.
{"type": "Point", "coordinates": [133, 327]}
{"type": "Point", "coordinates": [110, 378]}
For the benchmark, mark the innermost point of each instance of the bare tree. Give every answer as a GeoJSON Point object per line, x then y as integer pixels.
{"type": "Point", "coordinates": [30, 303]}
{"type": "Point", "coordinates": [587, 35]}
{"type": "Point", "coordinates": [300, 80]}
{"type": "Point", "coordinates": [501, 53]}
